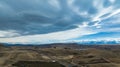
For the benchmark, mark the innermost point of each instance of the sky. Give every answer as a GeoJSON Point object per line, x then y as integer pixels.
{"type": "Point", "coordinates": [52, 21]}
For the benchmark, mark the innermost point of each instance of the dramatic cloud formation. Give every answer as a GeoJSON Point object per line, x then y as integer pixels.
{"type": "Point", "coordinates": [46, 21]}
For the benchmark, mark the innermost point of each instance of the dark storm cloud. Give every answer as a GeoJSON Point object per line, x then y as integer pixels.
{"type": "Point", "coordinates": [45, 16]}
{"type": "Point", "coordinates": [30, 16]}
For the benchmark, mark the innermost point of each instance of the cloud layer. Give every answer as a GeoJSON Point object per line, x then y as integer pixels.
{"type": "Point", "coordinates": [23, 21]}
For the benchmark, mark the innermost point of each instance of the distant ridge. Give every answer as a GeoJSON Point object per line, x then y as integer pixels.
{"type": "Point", "coordinates": [101, 42]}
{"type": "Point", "coordinates": [67, 46]}
{"type": "Point", "coordinates": [79, 42]}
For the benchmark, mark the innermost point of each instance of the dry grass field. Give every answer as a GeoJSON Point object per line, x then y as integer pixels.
{"type": "Point", "coordinates": [20, 56]}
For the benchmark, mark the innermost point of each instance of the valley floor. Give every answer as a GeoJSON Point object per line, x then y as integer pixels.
{"type": "Point", "coordinates": [58, 57]}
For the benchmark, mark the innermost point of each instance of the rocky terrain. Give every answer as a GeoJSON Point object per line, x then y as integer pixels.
{"type": "Point", "coordinates": [60, 55]}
